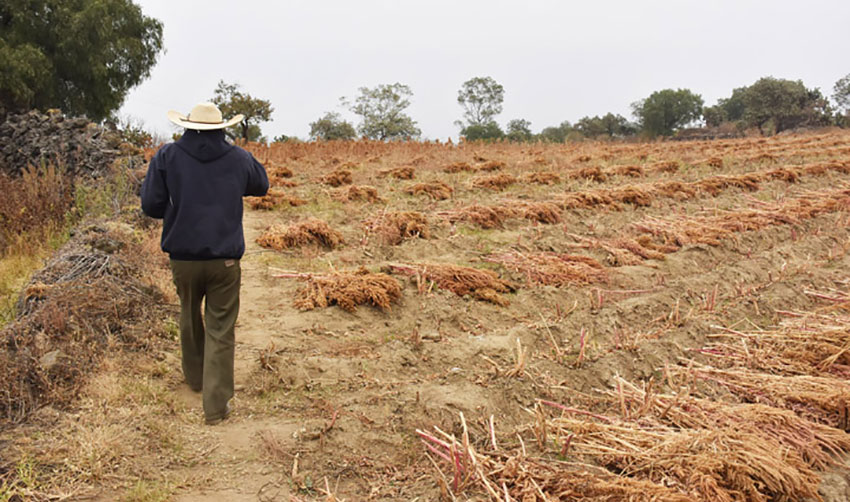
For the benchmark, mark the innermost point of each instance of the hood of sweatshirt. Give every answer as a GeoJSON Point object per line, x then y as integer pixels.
{"type": "Point", "coordinates": [204, 146]}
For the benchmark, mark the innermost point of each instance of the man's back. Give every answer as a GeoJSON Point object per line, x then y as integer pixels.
{"type": "Point", "coordinates": [196, 185]}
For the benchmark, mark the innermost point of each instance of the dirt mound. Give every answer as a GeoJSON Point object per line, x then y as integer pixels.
{"type": "Point", "coordinates": [93, 294]}
{"type": "Point", "coordinates": [73, 144]}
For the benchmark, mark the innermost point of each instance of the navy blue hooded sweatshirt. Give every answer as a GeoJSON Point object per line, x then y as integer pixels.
{"type": "Point", "coordinates": [196, 185]}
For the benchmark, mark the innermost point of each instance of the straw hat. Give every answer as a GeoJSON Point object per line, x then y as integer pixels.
{"type": "Point", "coordinates": [203, 117]}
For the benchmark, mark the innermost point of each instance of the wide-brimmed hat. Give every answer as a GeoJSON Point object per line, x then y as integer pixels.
{"type": "Point", "coordinates": [203, 117]}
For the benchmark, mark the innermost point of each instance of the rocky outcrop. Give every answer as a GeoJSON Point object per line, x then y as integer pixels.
{"type": "Point", "coordinates": [73, 144]}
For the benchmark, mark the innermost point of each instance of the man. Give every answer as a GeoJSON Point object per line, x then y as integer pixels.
{"type": "Point", "coordinates": [196, 186]}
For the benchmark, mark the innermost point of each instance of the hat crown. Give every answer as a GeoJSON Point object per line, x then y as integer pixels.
{"type": "Point", "coordinates": [205, 113]}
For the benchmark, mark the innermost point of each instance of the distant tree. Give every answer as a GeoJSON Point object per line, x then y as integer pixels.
{"type": "Point", "coordinates": [663, 112]}
{"type": "Point", "coordinates": [381, 110]}
{"type": "Point", "coordinates": [81, 56]}
{"type": "Point", "coordinates": [283, 138]}
{"type": "Point", "coordinates": [841, 94]}
{"type": "Point", "coordinates": [779, 104]}
{"type": "Point", "coordinates": [610, 125]}
{"type": "Point", "coordinates": [733, 107]}
{"type": "Point", "coordinates": [714, 115]}
{"type": "Point", "coordinates": [482, 132]}
{"type": "Point", "coordinates": [557, 134]}
{"type": "Point", "coordinates": [481, 99]}
{"type": "Point", "coordinates": [519, 130]}
{"type": "Point", "coordinates": [332, 127]}
{"type": "Point", "coordinates": [231, 101]}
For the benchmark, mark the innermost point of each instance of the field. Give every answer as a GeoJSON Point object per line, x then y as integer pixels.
{"type": "Point", "coordinates": [508, 322]}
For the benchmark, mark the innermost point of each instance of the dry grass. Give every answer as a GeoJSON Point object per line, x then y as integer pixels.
{"type": "Point", "coordinates": [274, 199]}
{"type": "Point", "coordinates": [348, 290]}
{"type": "Point", "coordinates": [357, 193]}
{"type": "Point", "coordinates": [457, 167]}
{"type": "Point", "coordinates": [542, 178]}
{"type": "Point", "coordinates": [398, 226]}
{"type": "Point", "coordinates": [495, 181]}
{"type": "Point", "coordinates": [436, 190]}
{"type": "Point", "coordinates": [552, 269]}
{"type": "Point", "coordinates": [337, 178]}
{"type": "Point", "coordinates": [399, 173]}
{"type": "Point", "coordinates": [310, 231]}
{"type": "Point", "coordinates": [480, 284]}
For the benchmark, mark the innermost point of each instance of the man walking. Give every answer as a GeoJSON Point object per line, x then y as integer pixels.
{"type": "Point", "coordinates": [196, 186]}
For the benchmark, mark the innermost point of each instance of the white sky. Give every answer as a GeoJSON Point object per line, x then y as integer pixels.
{"type": "Point", "coordinates": [557, 60]}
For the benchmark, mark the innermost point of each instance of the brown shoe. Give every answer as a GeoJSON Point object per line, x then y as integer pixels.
{"type": "Point", "coordinates": [216, 421]}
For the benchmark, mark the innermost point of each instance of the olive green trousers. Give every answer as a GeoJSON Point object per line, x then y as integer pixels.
{"type": "Point", "coordinates": [208, 342]}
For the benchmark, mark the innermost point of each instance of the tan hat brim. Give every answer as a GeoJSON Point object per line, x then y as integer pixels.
{"type": "Point", "coordinates": [183, 121]}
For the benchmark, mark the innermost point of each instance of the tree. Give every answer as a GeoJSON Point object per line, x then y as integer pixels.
{"type": "Point", "coordinates": [231, 101]}
{"type": "Point", "coordinates": [557, 134]}
{"type": "Point", "coordinates": [81, 56]}
{"type": "Point", "coordinates": [663, 112]}
{"type": "Point", "coordinates": [382, 112]}
{"type": "Point", "coordinates": [332, 127]}
{"type": "Point", "coordinates": [481, 99]}
{"type": "Point", "coordinates": [733, 107]}
{"type": "Point", "coordinates": [841, 93]}
{"type": "Point", "coordinates": [482, 132]}
{"type": "Point", "coordinates": [610, 125]}
{"type": "Point", "coordinates": [779, 104]}
{"type": "Point", "coordinates": [519, 130]}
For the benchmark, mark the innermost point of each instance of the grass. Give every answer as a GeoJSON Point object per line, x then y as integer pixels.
{"type": "Point", "coordinates": [149, 491]}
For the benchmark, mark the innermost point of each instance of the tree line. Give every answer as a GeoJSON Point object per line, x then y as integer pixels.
{"type": "Point", "coordinates": [61, 54]}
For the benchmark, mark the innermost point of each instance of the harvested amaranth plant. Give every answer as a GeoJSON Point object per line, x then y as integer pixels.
{"type": "Point", "coordinates": [309, 231]}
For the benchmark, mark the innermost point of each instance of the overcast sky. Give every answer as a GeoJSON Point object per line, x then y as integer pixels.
{"type": "Point", "coordinates": [557, 60]}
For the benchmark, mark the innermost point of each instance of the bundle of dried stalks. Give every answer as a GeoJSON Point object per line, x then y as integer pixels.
{"type": "Point", "coordinates": [278, 170]}
{"type": "Point", "coordinates": [437, 190]}
{"type": "Point", "coordinates": [396, 227]}
{"type": "Point", "coordinates": [553, 269]}
{"type": "Point", "coordinates": [621, 252]}
{"type": "Point", "coordinates": [457, 167]}
{"type": "Point", "coordinates": [818, 444]}
{"type": "Point", "coordinates": [542, 178]}
{"type": "Point", "coordinates": [281, 181]}
{"type": "Point", "coordinates": [632, 170]}
{"type": "Point", "coordinates": [716, 184]}
{"type": "Point", "coordinates": [337, 178]}
{"type": "Point", "coordinates": [274, 199]}
{"type": "Point", "coordinates": [489, 166]}
{"type": "Point", "coordinates": [590, 173]}
{"type": "Point", "coordinates": [399, 173]}
{"type": "Point", "coordinates": [495, 181]}
{"type": "Point", "coordinates": [480, 284]}
{"type": "Point", "coordinates": [483, 216]}
{"type": "Point", "coordinates": [664, 166]}
{"type": "Point", "coordinates": [712, 228]}
{"type": "Point", "coordinates": [721, 464]}
{"type": "Point", "coordinates": [95, 293]}
{"type": "Point", "coordinates": [504, 476]}
{"type": "Point", "coordinates": [357, 193]}
{"type": "Point", "coordinates": [309, 231]}
{"type": "Point", "coordinates": [347, 289]}
{"type": "Point", "coordinates": [812, 345]}
{"type": "Point", "coordinates": [542, 212]}
{"type": "Point", "coordinates": [820, 399]}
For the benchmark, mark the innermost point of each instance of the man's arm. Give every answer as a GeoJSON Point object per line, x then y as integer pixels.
{"type": "Point", "coordinates": [154, 191]}
{"type": "Point", "coordinates": [258, 180]}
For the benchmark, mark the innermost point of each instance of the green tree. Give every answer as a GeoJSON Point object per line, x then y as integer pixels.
{"type": "Point", "coordinates": [733, 107]}
{"type": "Point", "coordinates": [332, 127]}
{"type": "Point", "coordinates": [382, 112]}
{"type": "Point", "coordinates": [81, 56]}
{"type": "Point", "coordinates": [779, 104]}
{"type": "Point", "coordinates": [841, 94]}
{"type": "Point", "coordinates": [557, 134]}
{"type": "Point", "coordinates": [610, 125]}
{"type": "Point", "coordinates": [482, 132]}
{"type": "Point", "coordinates": [519, 130]}
{"type": "Point", "coordinates": [714, 115]}
{"type": "Point", "coordinates": [231, 101]}
{"type": "Point", "coordinates": [481, 99]}
{"type": "Point", "coordinates": [663, 112]}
